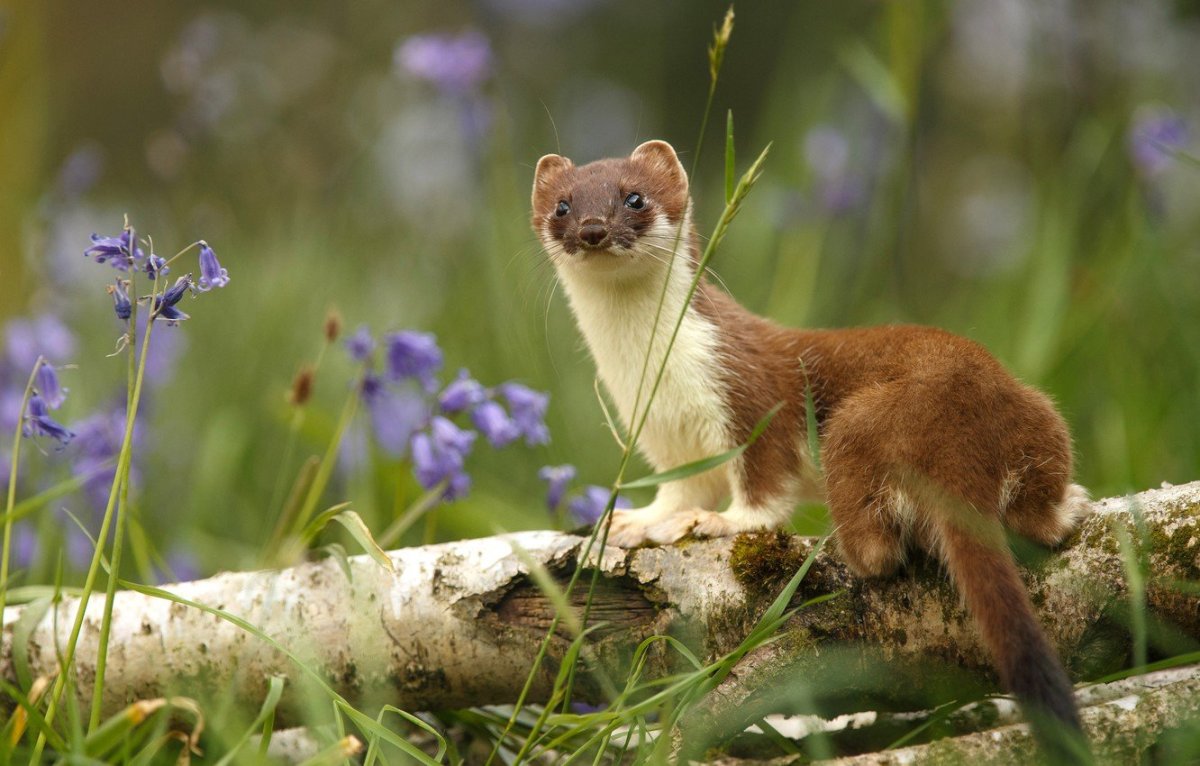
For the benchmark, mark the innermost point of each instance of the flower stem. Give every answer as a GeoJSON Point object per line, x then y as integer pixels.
{"type": "Point", "coordinates": [134, 380]}
{"type": "Point", "coordinates": [12, 484]}
{"type": "Point", "coordinates": [123, 462]}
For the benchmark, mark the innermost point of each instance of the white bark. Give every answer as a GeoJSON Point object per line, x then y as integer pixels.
{"type": "Point", "coordinates": [458, 624]}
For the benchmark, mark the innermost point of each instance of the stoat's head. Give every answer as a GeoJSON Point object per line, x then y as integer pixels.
{"type": "Point", "coordinates": [612, 216]}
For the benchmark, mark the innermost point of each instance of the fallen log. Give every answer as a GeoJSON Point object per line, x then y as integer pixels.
{"type": "Point", "coordinates": [458, 624]}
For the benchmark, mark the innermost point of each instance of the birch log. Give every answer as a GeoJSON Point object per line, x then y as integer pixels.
{"type": "Point", "coordinates": [458, 624]}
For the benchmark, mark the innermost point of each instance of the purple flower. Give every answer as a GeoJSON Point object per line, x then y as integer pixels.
{"type": "Point", "coordinates": [211, 273]}
{"type": "Point", "coordinates": [439, 456]}
{"type": "Point", "coordinates": [95, 454]}
{"type": "Point", "coordinates": [48, 387]}
{"type": "Point", "coordinates": [360, 344]}
{"type": "Point", "coordinates": [45, 335]}
{"type": "Point", "coordinates": [1157, 133]}
{"type": "Point", "coordinates": [156, 265]}
{"type": "Point", "coordinates": [454, 64]}
{"type": "Point", "coordinates": [462, 394]}
{"type": "Point", "coordinates": [528, 408]}
{"type": "Point", "coordinates": [413, 354]}
{"type": "Point", "coordinates": [495, 424]}
{"type": "Point", "coordinates": [24, 545]}
{"type": "Point", "coordinates": [828, 154]}
{"type": "Point", "coordinates": [39, 423]}
{"type": "Point", "coordinates": [182, 566]}
{"type": "Point", "coordinates": [588, 507]}
{"type": "Point", "coordinates": [395, 415]}
{"type": "Point", "coordinates": [121, 303]}
{"type": "Point", "coordinates": [557, 477]}
{"type": "Point", "coordinates": [164, 305]}
{"type": "Point", "coordinates": [117, 250]}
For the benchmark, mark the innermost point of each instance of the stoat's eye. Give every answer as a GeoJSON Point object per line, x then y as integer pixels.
{"type": "Point", "coordinates": [635, 201]}
{"type": "Point", "coordinates": [562, 209]}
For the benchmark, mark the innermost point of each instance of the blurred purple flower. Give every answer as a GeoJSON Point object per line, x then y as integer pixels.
{"type": "Point", "coordinates": [1157, 133]}
{"type": "Point", "coordinates": [181, 566]}
{"type": "Point", "coordinates": [95, 453]}
{"type": "Point", "coordinates": [164, 357]}
{"type": "Point", "coordinates": [45, 335]}
{"type": "Point", "coordinates": [39, 423]}
{"type": "Point", "coordinates": [115, 249]}
{"type": "Point", "coordinates": [79, 546]}
{"type": "Point", "coordinates": [80, 171]}
{"type": "Point", "coordinates": [827, 152]}
{"type": "Point", "coordinates": [48, 386]}
{"type": "Point", "coordinates": [395, 415]}
{"type": "Point", "coordinates": [413, 354]}
{"type": "Point", "coordinates": [24, 544]}
{"type": "Point", "coordinates": [557, 478]}
{"type": "Point", "coordinates": [212, 274]}
{"type": "Point", "coordinates": [528, 408]}
{"type": "Point", "coordinates": [439, 455]}
{"type": "Point", "coordinates": [454, 64]}
{"type": "Point", "coordinates": [462, 394]}
{"type": "Point", "coordinates": [10, 412]}
{"type": "Point", "coordinates": [495, 424]}
{"type": "Point", "coordinates": [360, 344]}
{"type": "Point", "coordinates": [588, 507]}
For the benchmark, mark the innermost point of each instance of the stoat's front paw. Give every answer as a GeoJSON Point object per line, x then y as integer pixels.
{"type": "Point", "coordinates": [630, 528]}
{"type": "Point", "coordinates": [633, 528]}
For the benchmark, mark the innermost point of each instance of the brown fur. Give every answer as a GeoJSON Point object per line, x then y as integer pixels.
{"type": "Point", "coordinates": [926, 440]}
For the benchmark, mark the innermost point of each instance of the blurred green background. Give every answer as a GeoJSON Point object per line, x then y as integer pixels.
{"type": "Point", "coordinates": [1014, 171]}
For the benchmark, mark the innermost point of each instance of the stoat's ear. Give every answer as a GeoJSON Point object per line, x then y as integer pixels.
{"type": "Point", "coordinates": [548, 169]}
{"type": "Point", "coordinates": [659, 157]}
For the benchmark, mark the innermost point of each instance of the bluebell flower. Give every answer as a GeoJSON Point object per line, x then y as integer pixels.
{"type": "Point", "coordinates": [395, 415]}
{"type": "Point", "coordinates": [164, 305]}
{"type": "Point", "coordinates": [360, 344]}
{"type": "Point", "coordinates": [1157, 133]}
{"type": "Point", "coordinates": [528, 409]}
{"type": "Point", "coordinates": [455, 64]}
{"type": "Point", "coordinates": [39, 423]}
{"type": "Point", "coordinates": [46, 336]}
{"type": "Point", "coordinates": [156, 264]}
{"type": "Point", "coordinates": [588, 507]}
{"type": "Point", "coordinates": [557, 478]}
{"type": "Point", "coordinates": [413, 354]}
{"type": "Point", "coordinates": [462, 394]}
{"type": "Point", "coordinates": [438, 456]}
{"type": "Point", "coordinates": [495, 424]}
{"type": "Point", "coordinates": [212, 274]}
{"type": "Point", "coordinates": [121, 303]}
{"type": "Point", "coordinates": [118, 251]}
{"type": "Point", "coordinates": [46, 382]}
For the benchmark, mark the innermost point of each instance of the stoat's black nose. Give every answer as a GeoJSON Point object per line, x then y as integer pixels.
{"type": "Point", "coordinates": [593, 233]}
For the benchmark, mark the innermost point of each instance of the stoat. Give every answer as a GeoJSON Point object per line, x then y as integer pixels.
{"type": "Point", "coordinates": [925, 439]}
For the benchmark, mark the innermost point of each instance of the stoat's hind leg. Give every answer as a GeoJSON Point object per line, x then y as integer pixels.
{"type": "Point", "coordinates": [872, 518]}
{"type": "Point", "coordinates": [1048, 519]}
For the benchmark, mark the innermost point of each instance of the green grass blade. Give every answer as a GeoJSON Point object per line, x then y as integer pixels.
{"type": "Point", "coordinates": [265, 712]}
{"type": "Point", "coordinates": [730, 163]}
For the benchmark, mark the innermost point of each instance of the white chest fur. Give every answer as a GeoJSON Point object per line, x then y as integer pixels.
{"type": "Point", "coordinates": [688, 417]}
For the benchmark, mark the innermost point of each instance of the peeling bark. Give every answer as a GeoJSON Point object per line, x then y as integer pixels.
{"type": "Point", "coordinates": [458, 624]}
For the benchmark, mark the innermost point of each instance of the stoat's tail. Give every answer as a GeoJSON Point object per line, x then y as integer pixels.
{"type": "Point", "coordinates": [983, 569]}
